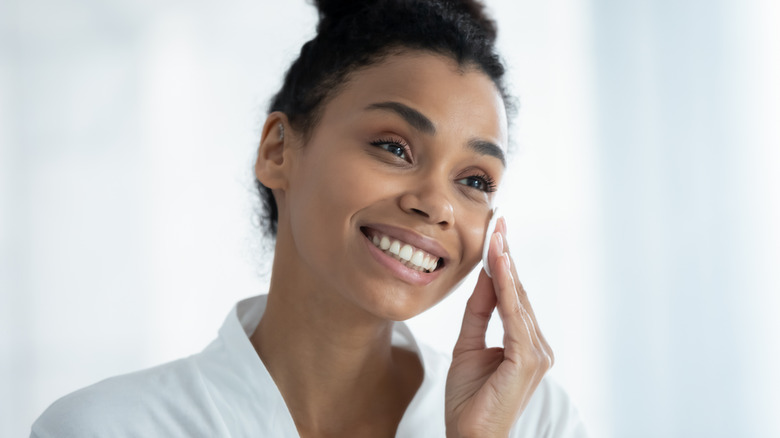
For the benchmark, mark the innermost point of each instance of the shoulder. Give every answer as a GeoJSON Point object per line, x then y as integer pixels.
{"type": "Point", "coordinates": [169, 399]}
{"type": "Point", "coordinates": [435, 360]}
{"type": "Point", "coordinates": [550, 413]}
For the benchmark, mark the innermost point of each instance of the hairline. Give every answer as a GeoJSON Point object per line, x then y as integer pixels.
{"type": "Point", "coordinates": [341, 79]}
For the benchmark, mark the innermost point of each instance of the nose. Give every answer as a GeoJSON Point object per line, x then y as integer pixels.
{"type": "Point", "coordinates": [429, 202]}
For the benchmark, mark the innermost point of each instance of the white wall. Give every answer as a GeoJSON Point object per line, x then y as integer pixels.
{"type": "Point", "coordinates": [687, 133]}
{"type": "Point", "coordinates": [643, 202]}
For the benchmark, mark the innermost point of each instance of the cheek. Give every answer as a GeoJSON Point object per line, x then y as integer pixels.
{"type": "Point", "coordinates": [473, 231]}
{"type": "Point", "coordinates": [328, 190]}
{"type": "Point", "coordinates": [343, 187]}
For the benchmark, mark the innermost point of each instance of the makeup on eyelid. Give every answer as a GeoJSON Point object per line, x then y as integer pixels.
{"type": "Point", "coordinates": [393, 145]}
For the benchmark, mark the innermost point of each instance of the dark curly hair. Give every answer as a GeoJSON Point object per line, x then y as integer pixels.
{"type": "Point", "coordinates": [354, 34]}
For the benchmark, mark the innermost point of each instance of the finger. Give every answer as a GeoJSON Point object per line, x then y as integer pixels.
{"type": "Point", "coordinates": [526, 303]}
{"type": "Point", "coordinates": [518, 332]}
{"type": "Point", "coordinates": [540, 345]}
{"type": "Point", "coordinates": [479, 308]}
{"type": "Point", "coordinates": [542, 349]}
{"type": "Point", "coordinates": [539, 340]}
{"type": "Point", "coordinates": [522, 345]}
{"type": "Point", "coordinates": [501, 227]}
{"type": "Point", "coordinates": [514, 280]}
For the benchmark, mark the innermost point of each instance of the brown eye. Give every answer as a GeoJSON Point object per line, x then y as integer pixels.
{"type": "Point", "coordinates": [394, 147]}
{"type": "Point", "coordinates": [396, 150]}
{"type": "Point", "coordinates": [480, 182]}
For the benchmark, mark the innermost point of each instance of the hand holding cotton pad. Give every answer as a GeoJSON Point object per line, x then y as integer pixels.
{"type": "Point", "coordinates": [491, 228]}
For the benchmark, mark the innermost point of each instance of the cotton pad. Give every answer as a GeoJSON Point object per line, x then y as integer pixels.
{"type": "Point", "coordinates": [491, 228]}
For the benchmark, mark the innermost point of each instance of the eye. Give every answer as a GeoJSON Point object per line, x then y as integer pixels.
{"type": "Point", "coordinates": [480, 182]}
{"type": "Point", "coordinates": [395, 147]}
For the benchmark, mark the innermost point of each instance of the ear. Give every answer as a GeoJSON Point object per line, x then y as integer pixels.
{"type": "Point", "coordinates": [272, 164]}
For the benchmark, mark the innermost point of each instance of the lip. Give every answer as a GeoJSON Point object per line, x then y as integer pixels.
{"type": "Point", "coordinates": [408, 275]}
{"type": "Point", "coordinates": [424, 243]}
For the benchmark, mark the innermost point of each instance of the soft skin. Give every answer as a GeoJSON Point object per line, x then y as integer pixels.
{"type": "Point", "coordinates": [367, 166]}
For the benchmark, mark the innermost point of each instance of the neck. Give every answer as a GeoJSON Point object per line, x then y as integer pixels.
{"type": "Point", "coordinates": [323, 339]}
{"type": "Point", "coordinates": [323, 350]}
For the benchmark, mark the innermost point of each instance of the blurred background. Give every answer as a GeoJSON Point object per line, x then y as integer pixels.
{"type": "Point", "coordinates": [643, 202]}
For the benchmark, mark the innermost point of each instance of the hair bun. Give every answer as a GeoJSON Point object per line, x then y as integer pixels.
{"type": "Point", "coordinates": [476, 10]}
{"type": "Point", "coordinates": [332, 11]}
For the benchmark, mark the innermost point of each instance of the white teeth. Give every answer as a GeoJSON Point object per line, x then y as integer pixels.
{"type": "Point", "coordinates": [406, 252]}
{"type": "Point", "coordinates": [427, 263]}
{"type": "Point", "coordinates": [418, 258]}
{"type": "Point", "coordinates": [395, 247]}
{"type": "Point", "coordinates": [408, 255]}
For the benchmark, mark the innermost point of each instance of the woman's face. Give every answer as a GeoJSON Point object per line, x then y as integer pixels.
{"type": "Point", "coordinates": [405, 159]}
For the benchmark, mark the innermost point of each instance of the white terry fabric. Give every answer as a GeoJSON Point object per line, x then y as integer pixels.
{"type": "Point", "coordinates": [226, 391]}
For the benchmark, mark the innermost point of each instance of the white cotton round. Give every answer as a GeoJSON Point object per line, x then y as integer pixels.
{"type": "Point", "coordinates": [491, 228]}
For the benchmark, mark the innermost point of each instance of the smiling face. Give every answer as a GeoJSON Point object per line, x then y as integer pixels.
{"type": "Point", "coordinates": [386, 204]}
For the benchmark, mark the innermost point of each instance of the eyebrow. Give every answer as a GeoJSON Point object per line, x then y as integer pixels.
{"type": "Point", "coordinates": [487, 148]}
{"type": "Point", "coordinates": [424, 125]}
{"type": "Point", "coordinates": [411, 115]}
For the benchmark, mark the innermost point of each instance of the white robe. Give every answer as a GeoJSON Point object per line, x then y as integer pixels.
{"type": "Point", "coordinates": [226, 391]}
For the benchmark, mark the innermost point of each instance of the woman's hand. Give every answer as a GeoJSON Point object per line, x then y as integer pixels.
{"type": "Point", "coordinates": [488, 388]}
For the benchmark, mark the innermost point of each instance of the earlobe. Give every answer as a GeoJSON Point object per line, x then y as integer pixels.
{"type": "Point", "coordinates": [271, 165]}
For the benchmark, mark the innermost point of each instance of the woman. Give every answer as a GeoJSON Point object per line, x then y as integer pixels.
{"type": "Point", "coordinates": [378, 165]}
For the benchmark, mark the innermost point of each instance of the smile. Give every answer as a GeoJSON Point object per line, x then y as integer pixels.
{"type": "Point", "coordinates": [406, 253]}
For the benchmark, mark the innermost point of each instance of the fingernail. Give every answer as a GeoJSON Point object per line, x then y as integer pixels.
{"type": "Point", "coordinates": [499, 242]}
{"type": "Point", "coordinates": [503, 226]}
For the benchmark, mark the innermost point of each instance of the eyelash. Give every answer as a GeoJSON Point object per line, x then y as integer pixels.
{"type": "Point", "coordinates": [488, 182]}
{"type": "Point", "coordinates": [393, 142]}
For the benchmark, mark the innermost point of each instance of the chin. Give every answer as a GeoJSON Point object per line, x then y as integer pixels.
{"type": "Point", "coordinates": [400, 304]}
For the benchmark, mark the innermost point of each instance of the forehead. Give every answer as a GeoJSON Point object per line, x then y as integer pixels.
{"type": "Point", "coordinates": [460, 101]}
